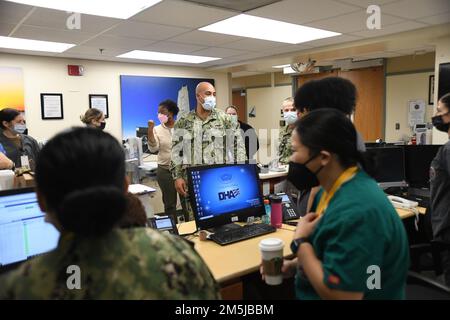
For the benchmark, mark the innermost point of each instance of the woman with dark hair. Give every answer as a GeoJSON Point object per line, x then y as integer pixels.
{"type": "Point", "coordinates": [440, 184]}
{"type": "Point", "coordinates": [160, 141]}
{"type": "Point", "coordinates": [14, 140]}
{"type": "Point", "coordinates": [81, 186]}
{"type": "Point", "coordinates": [94, 118]}
{"type": "Point", "coordinates": [353, 245]}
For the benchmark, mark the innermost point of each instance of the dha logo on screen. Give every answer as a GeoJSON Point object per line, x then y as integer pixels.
{"type": "Point", "coordinates": [227, 195]}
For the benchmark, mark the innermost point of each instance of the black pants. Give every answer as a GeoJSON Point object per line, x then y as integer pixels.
{"type": "Point", "coordinates": [167, 186]}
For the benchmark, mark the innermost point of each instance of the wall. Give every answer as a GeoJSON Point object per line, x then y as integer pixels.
{"type": "Point", "coordinates": [267, 102]}
{"type": "Point", "coordinates": [400, 89]}
{"type": "Point", "coordinates": [48, 74]}
{"type": "Point", "coordinates": [410, 63]}
{"type": "Point", "coordinates": [442, 56]}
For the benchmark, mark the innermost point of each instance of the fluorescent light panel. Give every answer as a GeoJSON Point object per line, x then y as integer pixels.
{"type": "Point", "coordinates": [106, 8]}
{"type": "Point", "coordinates": [162, 56]}
{"type": "Point", "coordinates": [281, 66]}
{"type": "Point", "coordinates": [244, 25]}
{"type": "Point", "coordinates": [33, 45]}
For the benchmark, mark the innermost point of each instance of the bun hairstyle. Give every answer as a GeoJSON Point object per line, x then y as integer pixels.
{"type": "Point", "coordinates": [330, 130]}
{"type": "Point", "coordinates": [91, 115]}
{"type": "Point", "coordinates": [81, 174]}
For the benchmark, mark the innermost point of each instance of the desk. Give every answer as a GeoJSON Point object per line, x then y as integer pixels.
{"type": "Point", "coordinates": [271, 179]}
{"type": "Point", "coordinates": [229, 263]}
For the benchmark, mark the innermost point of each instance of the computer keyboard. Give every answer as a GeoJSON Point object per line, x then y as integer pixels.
{"type": "Point", "coordinates": [243, 233]}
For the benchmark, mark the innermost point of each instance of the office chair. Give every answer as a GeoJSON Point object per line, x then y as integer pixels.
{"type": "Point", "coordinates": [419, 287]}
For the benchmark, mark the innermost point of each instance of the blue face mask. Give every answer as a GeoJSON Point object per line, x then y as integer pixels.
{"type": "Point", "coordinates": [290, 117]}
{"type": "Point", "coordinates": [210, 103]}
{"type": "Point", "coordinates": [20, 128]}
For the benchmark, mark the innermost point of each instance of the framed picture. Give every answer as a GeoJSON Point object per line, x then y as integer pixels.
{"type": "Point", "coordinates": [52, 106]}
{"type": "Point", "coordinates": [431, 90]}
{"type": "Point", "coordinates": [100, 102]}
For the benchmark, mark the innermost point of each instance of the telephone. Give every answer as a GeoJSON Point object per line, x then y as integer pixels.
{"type": "Point", "coordinates": [163, 224]}
{"type": "Point", "coordinates": [289, 211]}
{"type": "Point", "coordinates": [402, 203]}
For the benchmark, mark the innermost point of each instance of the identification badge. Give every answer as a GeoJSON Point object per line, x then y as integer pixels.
{"type": "Point", "coordinates": [24, 161]}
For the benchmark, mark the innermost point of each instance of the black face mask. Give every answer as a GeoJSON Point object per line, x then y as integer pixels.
{"type": "Point", "coordinates": [102, 125]}
{"type": "Point", "coordinates": [439, 124]}
{"type": "Point", "coordinates": [301, 177]}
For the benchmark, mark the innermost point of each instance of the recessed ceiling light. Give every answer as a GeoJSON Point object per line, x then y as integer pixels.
{"type": "Point", "coordinates": [162, 56]}
{"type": "Point", "coordinates": [34, 45]}
{"type": "Point", "coordinates": [244, 25]}
{"type": "Point", "coordinates": [105, 8]}
{"type": "Point", "coordinates": [281, 66]}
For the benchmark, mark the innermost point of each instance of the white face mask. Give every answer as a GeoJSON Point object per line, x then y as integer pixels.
{"type": "Point", "coordinates": [210, 103]}
{"type": "Point", "coordinates": [234, 118]}
{"type": "Point", "coordinates": [20, 128]}
{"type": "Point", "coordinates": [290, 117]}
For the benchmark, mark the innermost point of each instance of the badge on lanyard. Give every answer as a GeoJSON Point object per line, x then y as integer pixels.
{"type": "Point", "coordinates": [24, 161]}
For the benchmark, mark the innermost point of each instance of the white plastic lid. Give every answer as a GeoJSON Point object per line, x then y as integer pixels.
{"type": "Point", "coordinates": [271, 244]}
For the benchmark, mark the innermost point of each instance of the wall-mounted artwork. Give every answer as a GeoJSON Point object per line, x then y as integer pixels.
{"type": "Point", "coordinates": [11, 88]}
{"type": "Point", "coordinates": [141, 95]}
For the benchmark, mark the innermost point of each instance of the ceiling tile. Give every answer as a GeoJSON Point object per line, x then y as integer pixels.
{"type": "Point", "coordinates": [6, 28]}
{"type": "Point", "coordinates": [173, 47]}
{"type": "Point", "coordinates": [94, 51]}
{"type": "Point", "coordinates": [182, 14]}
{"type": "Point", "coordinates": [352, 22]}
{"type": "Point", "coordinates": [394, 28]}
{"type": "Point", "coordinates": [57, 19]}
{"type": "Point", "coordinates": [299, 12]}
{"type": "Point", "coordinates": [143, 30]}
{"type": "Point", "coordinates": [235, 5]}
{"type": "Point", "coordinates": [204, 38]}
{"type": "Point", "coordinates": [219, 52]}
{"type": "Point", "coordinates": [12, 12]}
{"type": "Point", "coordinates": [366, 3]}
{"type": "Point", "coordinates": [49, 34]}
{"type": "Point", "coordinates": [414, 9]}
{"type": "Point", "coordinates": [437, 19]}
{"type": "Point", "coordinates": [286, 49]}
{"type": "Point", "coordinates": [111, 42]}
{"type": "Point", "coordinates": [253, 44]}
{"type": "Point", "coordinates": [332, 40]}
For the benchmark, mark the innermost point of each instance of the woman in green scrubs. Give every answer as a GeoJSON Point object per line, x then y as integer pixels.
{"type": "Point", "coordinates": [354, 245]}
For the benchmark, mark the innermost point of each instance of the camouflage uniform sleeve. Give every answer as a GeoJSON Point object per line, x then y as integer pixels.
{"type": "Point", "coordinates": [176, 169]}
{"type": "Point", "coordinates": [239, 145]}
{"type": "Point", "coordinates": [284, 150]}
{"type": "Point", "coordinates": [190, 277]}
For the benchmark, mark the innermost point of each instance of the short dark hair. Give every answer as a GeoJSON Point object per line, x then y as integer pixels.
{"type": "Point", "coordinates": [330, 130]}
{"type": "Point", "coordinates": [330, 92]}
{"type": "Point", "coordinates": [8, 114]}
{"type": "Point", "coordinates": [81, 174]}
{"type": "Point", "coordinates": [445, 99]}
{"type": "Point", "coordinates": [170, 105]}
{"type": "Point", "coordinates": [232, 107]}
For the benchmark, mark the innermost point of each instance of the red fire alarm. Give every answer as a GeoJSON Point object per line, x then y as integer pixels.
{"type": "Point", "coordinates": [75, 70]}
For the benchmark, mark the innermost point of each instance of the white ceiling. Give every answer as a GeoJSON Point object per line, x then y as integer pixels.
{"type": "Point", "coordinates": [171, 26]}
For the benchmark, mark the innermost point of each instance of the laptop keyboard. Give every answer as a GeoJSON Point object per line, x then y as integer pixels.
{"type": "Point", "coordinates": [243, 233]}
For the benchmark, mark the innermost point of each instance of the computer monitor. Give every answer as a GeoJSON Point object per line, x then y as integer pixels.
{"type": "Point", "coordinates": [389, 166]}
{"type": "Point", "coordinates": [223, 194]}
{"type": "Point", "coordinates": [23, 230]}
{"type": "Point", "coordinates": [417, 164]}
{"type": "Point", "coordinates": [134, 149]}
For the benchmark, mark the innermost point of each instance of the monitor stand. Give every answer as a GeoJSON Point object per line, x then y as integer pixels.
{"type": "Point", "coordinates": [225, 228]}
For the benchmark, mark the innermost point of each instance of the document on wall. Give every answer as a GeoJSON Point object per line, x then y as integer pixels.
{"type": "Point", "coordinates": [100, 103]}
{"type": "Point", "coordinates": [416, 112]}
{"type": "Point", "coordinates": [52, 106]}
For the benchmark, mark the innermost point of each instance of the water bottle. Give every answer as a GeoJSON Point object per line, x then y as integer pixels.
{"type": "Point", "coordinates": [276, 218]}
{"type": "Point", "coordinates": [266, 217]}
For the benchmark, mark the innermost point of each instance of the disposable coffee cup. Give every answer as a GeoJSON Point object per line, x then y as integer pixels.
{"type": "Point", "coordinates": [272, 257]}
{"type": "Point", "coordinates": [6, 179]}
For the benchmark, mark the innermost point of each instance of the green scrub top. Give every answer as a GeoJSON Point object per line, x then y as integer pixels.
{"type": "Point", "coordinates": [361, 242]}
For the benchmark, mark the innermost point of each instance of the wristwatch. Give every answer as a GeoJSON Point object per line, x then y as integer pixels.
{"type": "Point", "coordinates": [295, 244]}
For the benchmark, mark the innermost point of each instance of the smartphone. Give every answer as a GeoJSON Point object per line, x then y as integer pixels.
{"type": "Point", "coordinates": [163, 224]}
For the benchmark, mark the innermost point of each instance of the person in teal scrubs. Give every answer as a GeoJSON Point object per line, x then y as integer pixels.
{"type": "Point", "coordinates": [353, 245]}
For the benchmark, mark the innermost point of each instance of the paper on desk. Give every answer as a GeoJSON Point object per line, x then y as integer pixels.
{"type": "Point", "coordinates": [140, 189]}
